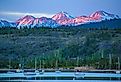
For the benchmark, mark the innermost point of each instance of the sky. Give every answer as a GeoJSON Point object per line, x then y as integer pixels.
{"type": "Point", "coordinates": [12, 10]}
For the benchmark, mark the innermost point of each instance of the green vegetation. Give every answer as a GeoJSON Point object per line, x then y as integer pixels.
{"type": "Point", "coordinates": [60, 47]}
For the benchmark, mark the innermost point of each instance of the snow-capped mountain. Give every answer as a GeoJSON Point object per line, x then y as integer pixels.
{"type": "Point", "coordinates": [102, 15]}
{"type": "Point", "coordinates": [64, 18]}
{"type": "Point", "coordinates": [4, 23]}
{"type": "Point", "coordinates": [30, 21]}
{"type": "Point", "coordinates": [95, 17]}
{"type": "Point", "coordinates": [61, 18]}
{"type": "Point", "coordinates": [62, 15]}
{"type": "Point", "coordinates": [25, 21]}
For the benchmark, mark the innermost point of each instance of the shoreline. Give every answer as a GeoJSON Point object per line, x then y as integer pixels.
{"type": "Point", "coordinates": [61, 70]}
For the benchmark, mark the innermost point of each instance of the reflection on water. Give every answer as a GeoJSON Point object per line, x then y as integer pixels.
{"type": "Point", "coordinates": [60, 76]}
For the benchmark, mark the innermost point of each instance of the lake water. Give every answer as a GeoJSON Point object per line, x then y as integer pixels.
{"type": "Point", "coordinates": [60, 77]}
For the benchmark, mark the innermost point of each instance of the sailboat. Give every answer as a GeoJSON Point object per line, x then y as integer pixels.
{"type": "Point", "coordinates": [42, 71]}
{"type": "Point", "coordinates": [20, 70]}
{"type": "Point", "coordinates": [33, 73]}
{"type": "Point", "coordinates": [37, 71]}
{"type": "Point", "coordinates": [57, 71]}
{"type": "Point", "coordinates": [10, 72]}
{"type": "Point", "coordinates": [56, 65]}
{"type": "Point", "coordinates": [77, 73]}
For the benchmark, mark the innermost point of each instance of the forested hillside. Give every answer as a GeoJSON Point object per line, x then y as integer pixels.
{"type": "Point", "coordinates": [70, 47]}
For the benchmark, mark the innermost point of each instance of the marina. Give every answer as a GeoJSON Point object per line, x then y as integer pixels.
{"type": "Point", "coordinates": [59, 76]}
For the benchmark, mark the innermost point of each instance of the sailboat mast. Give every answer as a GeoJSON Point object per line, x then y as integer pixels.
{"type": "Point", "coordinates": [118, 63]}
{"type": "Point", "coordinates": [40, 63]}
{"type": "Point", "coordinates": [56, 57]}
{"type": "Point", "coordinates": [56, 64]}
{"type": "Point", "coordinates": [56, 61]}
{"type": "Point", "coordinates": [43, 62]}
{"type": "Point", "coordinates": [102, 55]}
{"type": "Point", "coordinates": [110, 61]}
{"type": "Point", "coordinates": [77, 62]}
{"type": "Point", "coordinates": [9, 63]}
{"type": "Point", "coordinates": [35, 64]}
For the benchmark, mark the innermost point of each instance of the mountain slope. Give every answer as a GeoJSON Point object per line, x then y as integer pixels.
{"type": "Point", "coordinates": [44, 22]}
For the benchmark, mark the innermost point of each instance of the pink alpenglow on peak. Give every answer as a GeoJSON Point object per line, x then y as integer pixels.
{"type": "Point", "coordinates": [102, 15]}
{"type": "Point", "coordinates": [25, 21]}
{"type": "Point", "coordinates": [62, 15]}
{"type": "Point", "coordinates": [63, 18]}
{"type": "Point", "coordinates": [30, 21]}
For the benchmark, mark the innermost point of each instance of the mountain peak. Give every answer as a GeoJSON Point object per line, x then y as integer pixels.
{"type": "Point", "coordinates": [103, 15]}
{"type": "Point", "coordinates": [99, 14]}
{"type": "Point", "coordinates": [26, 18]}
{"type": "Point", "coordinates": [63, 12]}
{"type": "Point", "coordinates": [29, 16]}
{"type": "Point", "coordinates": [61, 15]}
{"type": "Point", "coordinates": [100, 11]}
